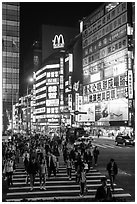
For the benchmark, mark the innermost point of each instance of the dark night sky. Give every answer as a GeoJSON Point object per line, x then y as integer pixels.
{"type": "Point", "coordinates": [34, 14]}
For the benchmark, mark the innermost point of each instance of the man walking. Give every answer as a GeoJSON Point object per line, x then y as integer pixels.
{"type": "Point", "coordinates": [51, 164]}
{"type": "Point", "coordinates": [112, 171]}
{"type": "Point", "coordinates": [32, 171]}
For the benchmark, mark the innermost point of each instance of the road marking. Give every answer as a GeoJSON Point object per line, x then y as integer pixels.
{"type": "Point", "coordinates": [124, 173]}
{"type": "Point", "coordinates": [108, 146]}
{"type": "Point", "coordinates": [66, 197]}
{"type": "Point", "coordinates": [66, 186]}
{"type": "Point", "coordinates": [54, 192]}
{"type": "Point", "coordinates": [121, 195]}
{"type": "Point", "coordinates": [99, 145]}
{"type": "Point", "coordinates": [50, 182]}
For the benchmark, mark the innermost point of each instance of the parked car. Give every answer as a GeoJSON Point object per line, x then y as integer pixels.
{"type": "Point", "coordinates": [124, 140]}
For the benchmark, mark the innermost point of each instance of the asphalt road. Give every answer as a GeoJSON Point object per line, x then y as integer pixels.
{"type": "Point", "coordinates": [125, 159]}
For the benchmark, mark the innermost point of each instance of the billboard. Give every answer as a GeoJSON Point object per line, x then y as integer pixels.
{"type": "Point", "coordinates": [90, 116]}
{"type": "Point", "coordinates": [115, 110]}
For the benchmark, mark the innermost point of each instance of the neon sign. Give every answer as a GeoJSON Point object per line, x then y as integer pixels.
{"type": "Point", "coordinates": [58, 41]}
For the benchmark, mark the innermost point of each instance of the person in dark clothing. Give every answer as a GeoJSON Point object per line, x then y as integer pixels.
{"type": "Point", "coordinates": [32, 171]}
{"type": "Point", "coordinates": [95, 154]}
{"type": "Point", "coordinates": [112, 171]}
{"type": "Point", "coordinates": [51, 164]}
{"type": "Point", "coordinates": [103, 193]}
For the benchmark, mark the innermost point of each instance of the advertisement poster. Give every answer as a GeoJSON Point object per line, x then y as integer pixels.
{"type": "Point", "coordinates": [114, 110]}
{"type": "Point", "coordinates": [90, 116]}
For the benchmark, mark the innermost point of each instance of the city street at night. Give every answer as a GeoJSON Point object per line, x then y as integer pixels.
{"type": "Point", "coordinates": [125, 158]}
{"type": "Point", "coordinates": [68, 101]}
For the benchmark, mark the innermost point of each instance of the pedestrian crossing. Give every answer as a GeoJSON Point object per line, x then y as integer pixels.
{"type": "Point", "coordinates": [111, 146]}
{"type": "Point", "coordinates": [58, 188]}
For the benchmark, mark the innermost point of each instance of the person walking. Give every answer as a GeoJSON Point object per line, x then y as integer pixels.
{"type": "Point", "coordinates": [95, 154]}
{"type": "Point", "coordinates": [69, 167]}
{"type": "Point", "coordinates": [112, 171]}
{"type": "Point", "coordinates": [103, 193]}
{"type": "Point", "coordinates": [32, 171]}
{"type": "Point", "coordinates": [8, 168]}
{"type": "Point", "coordinates": [51, 164]}
{"type": "Point", "coordinates": [57, 154]}
{"type": "Point", "coordinates": [83, 186]}
{"type": "Point", "coordinates": [25, 159]}
{"type": "Point", "coordinates": [42, 174]}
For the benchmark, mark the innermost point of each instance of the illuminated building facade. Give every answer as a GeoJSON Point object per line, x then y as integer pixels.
{"type": "Point", "coordinates": [10, 58]}
{"type": "Point", "coordinates": [48, 89]}
{"type": "Point", "coordinates": [107, 43]}
{"type": "Point", "coordinates": [49, 94]}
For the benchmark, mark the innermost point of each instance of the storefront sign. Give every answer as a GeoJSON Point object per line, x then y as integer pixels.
{"type": "Point", "coordinates": [52, 92]}
{"type": "Point", "coordinates": [105, 19]}
{"type": "Point", "coordinates": [58, 41]}
{"type": "Point", "coordinates": [53, 102]}
{"type": "Point", "coordinates": [110, 27]}
{"type": "Point", "coordinates": [130, 84]}
{"type": "Point", "coordinates": [112, 48]}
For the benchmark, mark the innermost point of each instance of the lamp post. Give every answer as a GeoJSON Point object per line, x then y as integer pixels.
{"type": "Point", "coordinates": [29, 82]}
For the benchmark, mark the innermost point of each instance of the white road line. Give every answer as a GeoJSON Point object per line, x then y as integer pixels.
{"type": "Point", "coordinates": [97, 175]}
{"type": "Point", "coordinates": [99, 145]}
{"type": "Point", "coordinates": [65, 197]}
{"type": "Point", "coordinates": [50, 182]}
{"type": "Point", "coordinates": [108, 146]}
{"type": "Point", "coordinates": [121, 195]}
{"type": "Point", "coordinates": [58, 173]}
{"type": "Point", "coordinates": [66, 186]}
{"type": "Point", "coordinates": [54, 192]}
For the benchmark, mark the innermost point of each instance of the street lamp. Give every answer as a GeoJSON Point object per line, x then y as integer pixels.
{"type": "Point", "coordinates": [30, 81]}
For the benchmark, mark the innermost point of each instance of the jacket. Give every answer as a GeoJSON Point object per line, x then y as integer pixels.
{"type": "Point", "coordinates": [102, 194]}
{"type": "Point", "coordinates": [32, 168]}
{"type": "Point", "coordinates": [115, 168]}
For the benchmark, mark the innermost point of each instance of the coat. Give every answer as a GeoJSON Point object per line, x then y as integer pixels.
{"type": "Point", "coordinates": [51, 161]}
{"type": "Point", "coordinates": [32, 168]}
{"type": "Point", "coordinates": [115, 168]}
{"type": "Point", "coordinates": [8, 166]}
{"type": "Point", "coordinates": [102, 194]}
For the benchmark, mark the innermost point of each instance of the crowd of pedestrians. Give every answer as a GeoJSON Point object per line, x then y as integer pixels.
{"type": "Point", "coordinates": [80, 158]}
{"type": "Point", "coordinates": [41, 156]}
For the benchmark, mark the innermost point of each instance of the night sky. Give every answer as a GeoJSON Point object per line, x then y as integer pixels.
{"type": "Point", "coordinates": [34, 14]}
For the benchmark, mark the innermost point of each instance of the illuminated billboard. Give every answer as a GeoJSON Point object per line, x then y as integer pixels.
{"type": "Point", "coordinates": [115, 110]}
{"type": "Point", "coordinates": [52, 92]}
{"type": "Point", "coordinates": [90, 116]}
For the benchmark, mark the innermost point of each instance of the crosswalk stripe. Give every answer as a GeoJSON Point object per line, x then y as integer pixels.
{"type": "Point", "coordinates": [50, 182]}
{"type": "Point", "coordinates": [53, 192]}
{"type": "Point", "coordinates": [24, 175]}
{"type": "Point", "coordinates": [66, 197]}
{"type": "Point", "coordinates": [99, 145]}
{"type": "Point", "coordinates": [105, 145]}
{"type": "Point", "coordinates": [66, 186]}
{"type": "Point", "coordinates": [63, 177]}
{"type": "Point", "coordinates": [58, 186]}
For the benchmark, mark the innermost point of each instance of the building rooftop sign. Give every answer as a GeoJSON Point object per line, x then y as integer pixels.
{"type": "Point", "coordinates": [58, 41]}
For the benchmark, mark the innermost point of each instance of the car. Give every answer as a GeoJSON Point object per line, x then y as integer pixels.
{"type": "Point", "coordinates": [124, 140]}
{"type": "Point", "coordinates": [80, 139]}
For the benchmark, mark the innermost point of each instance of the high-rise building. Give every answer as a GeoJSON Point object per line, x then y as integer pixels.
{"type": "Point", "coordinates": [10, 59]}
{"type": "Point", "coordinates": [107, 41]}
